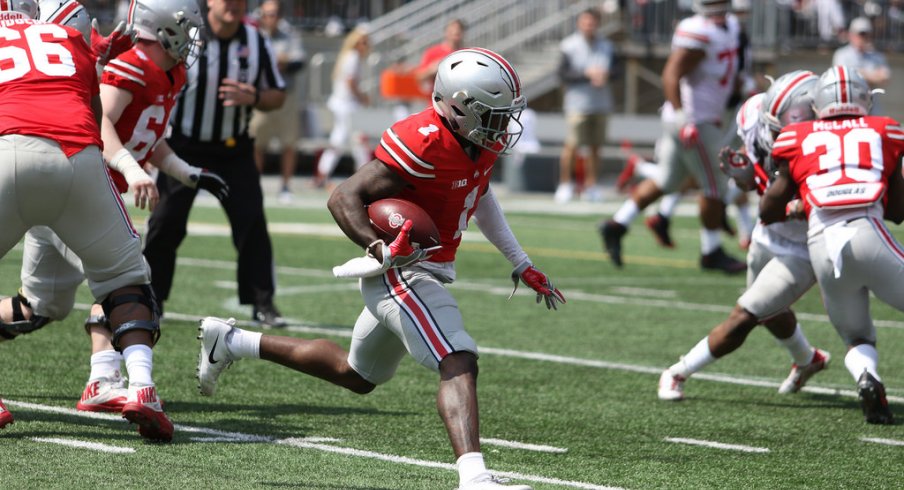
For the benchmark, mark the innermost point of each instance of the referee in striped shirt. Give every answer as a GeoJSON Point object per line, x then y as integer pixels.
{"type": "Point", "coordinates": [236, 73]}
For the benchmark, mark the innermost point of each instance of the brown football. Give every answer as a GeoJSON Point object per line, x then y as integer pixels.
{"type": "Point", "coordinates": [388, 215]}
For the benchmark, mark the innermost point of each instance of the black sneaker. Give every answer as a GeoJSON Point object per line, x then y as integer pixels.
{"type": "Point", "coordinates": [721, 261]}
{"type": "Point", "coordinates": [612, 233]}
{"type": "Point", "coordinates": [873, 401]}
{"type": "Point", "coordinates": [659, 225]}
{"type": "Point", "coordinates": [268, 316]}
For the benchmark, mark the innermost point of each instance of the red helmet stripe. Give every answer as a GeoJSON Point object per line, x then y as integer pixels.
{"type": "Point", "coordinates": [4, 5]}
{"type": "Point", "coordinates": [516, 82]}
{"type": "Point", "coordinates": [131, 11]}
{"type": "Point", "coordinates": [842, 84]}
{"type": "Point", "coordinates": [63, 13]}
{"type": "Point", "coordinates": [777, 103]}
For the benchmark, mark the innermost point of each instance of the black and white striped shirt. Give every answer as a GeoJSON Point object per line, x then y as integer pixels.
{"type": "Point", "coordinates": [200, 115]}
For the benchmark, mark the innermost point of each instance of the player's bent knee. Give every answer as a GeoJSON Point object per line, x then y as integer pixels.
{"type": "Point", "coordinates": [458, 363]}
{"type": "Point", "coordinates": [130, 297]}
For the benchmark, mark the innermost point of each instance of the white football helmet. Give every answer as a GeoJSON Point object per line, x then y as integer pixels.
{"type": "Point", "coordinates": [788, 100]}
{"type": "Point", "coordinates": [176, 24]}
{"type": "Point", "coordinates": [711, 7]}
{"type": "Point", "coordinates": [67, 13]}
{"type": "Point", "coordinates": [10, 9]}
{"type": "Point", "coordinates": [479, 93]}
{"type": "Point", "coordinates": [841, 91]}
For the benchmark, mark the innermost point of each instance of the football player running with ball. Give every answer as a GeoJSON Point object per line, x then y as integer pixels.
{"type": "Point", "coordinates": [440, 159]}
{"type": "Point", "coordinates": [846, 166]}
{"type": "Point", "coordinates": [778, 263]}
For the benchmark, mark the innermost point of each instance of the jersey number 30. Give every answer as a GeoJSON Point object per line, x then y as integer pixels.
{"type": "Point", "coordinates": [49, 58]}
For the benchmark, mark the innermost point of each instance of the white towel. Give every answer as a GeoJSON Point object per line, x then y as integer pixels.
{"type": "Point", "coordinates": [836, 237]}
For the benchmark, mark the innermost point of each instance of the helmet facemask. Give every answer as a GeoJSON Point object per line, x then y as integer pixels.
{"type": "Point", "coordinates": [497, 125]}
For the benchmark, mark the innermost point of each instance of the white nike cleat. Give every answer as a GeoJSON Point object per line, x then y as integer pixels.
{"type": "Point", "coordinates": [104, 395]}
{"type": "Point", "coordinates": [800, 374]}
{"type": "Point", "coordinates": [490, 482]}
{"type": "Point", "coordinates": [214, 356]}
{"type": "Point", "coordinates": [671, 387]}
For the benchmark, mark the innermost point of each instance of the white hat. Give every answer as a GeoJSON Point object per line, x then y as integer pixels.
{"type": "Point", "coordinates": [861, 25]}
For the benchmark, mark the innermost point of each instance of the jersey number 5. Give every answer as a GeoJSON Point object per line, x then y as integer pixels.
{"type": "Point", "coordinates": [49, 58]}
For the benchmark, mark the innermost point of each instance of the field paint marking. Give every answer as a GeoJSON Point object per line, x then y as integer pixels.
{"type": "Point", "coordinates": [522, 445]}
{"type": "Point", "coordinates": [94, 446]}
{"type": "Point", "coordinates": [878, 440]}
{"type": "Point", "coordinates": [651, 293]}
{"type": "Point", "coordinates": [572, 294]}
{"type": "Point", "coordinates": [434, 464]}
{"type": "Point", "coordinates": [718, 445]}
{"type": "Point", "coordinates": [310, 443]}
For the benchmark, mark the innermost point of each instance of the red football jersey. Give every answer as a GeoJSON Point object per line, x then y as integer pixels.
{"type": "Point", "coordinates": [154, 92]}
{"type": "Point", "coordinates": [47, 80]}
{"type": "Point", "coordinates": [444, 180]}
{"type": "Point", "coordinates": [841, 163]}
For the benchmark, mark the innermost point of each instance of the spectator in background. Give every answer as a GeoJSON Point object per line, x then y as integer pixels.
{"type": "Point", "coordinates": [861, 55]}
{"type": "Point", "coordinates": [346, 99]}
{"type": "Point", "coordinates": [212, 131]}
{"type": "Point", "coordinates": [829, 20]}
{"type": "Point", "coordinates": [453, 40]}
{"type": "Point", "coordinates": [281, 124]}
{"type": "Point", "coordinates": [584, 67]}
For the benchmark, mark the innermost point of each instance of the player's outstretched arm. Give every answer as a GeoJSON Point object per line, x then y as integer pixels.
{"type": "Point", "coordinates": [114, 101]}
{"type": "Point", "coordinates": [778, 195]}
{"type": "Point", "coordinates": [171, 164]}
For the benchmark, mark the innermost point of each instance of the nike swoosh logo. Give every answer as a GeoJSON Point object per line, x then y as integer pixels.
{"type": "Point", "coordinates": [212, 350]}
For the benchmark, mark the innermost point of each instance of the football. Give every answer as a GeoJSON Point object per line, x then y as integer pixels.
{"type": "Point", "coordinates": [388, 215]}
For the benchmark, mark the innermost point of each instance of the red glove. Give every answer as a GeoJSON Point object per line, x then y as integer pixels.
{"type": "Point", "coordinates": [688, 135]}
{"type": "Point", "coordinates": [400, 253]}
{"type": "Point", "coordinates": [118, 42]}
{"type": "Point", "coordinates": [540, 283]}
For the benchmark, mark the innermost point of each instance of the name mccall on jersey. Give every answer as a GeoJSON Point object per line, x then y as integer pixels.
{"type": "Point", "coordinates": [843, 124]}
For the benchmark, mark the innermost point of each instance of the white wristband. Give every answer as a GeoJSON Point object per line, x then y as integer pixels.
{"type": "Point", "coordinates": [179, 169]}
{"type": "Point", "coordinates": [124, 163]}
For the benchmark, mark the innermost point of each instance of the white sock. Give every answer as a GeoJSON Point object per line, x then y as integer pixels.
{"type": "Point", "coordinates": [863, 356]}
{"type": "Point", "coordinates": [328, 161]}
{"type": "Point", "coordinates": [668, 203]}
{"type": "Point", "coordinates": [745, 220]}
{"type": "Point", "coordinates": [244, 344]}
{"type": "Point", "coordinates": [139, 364]}
{"type": "Point", "coordinates": [696, 359]}
{"type": "Point", "coordinates": [710, 240]}
{"type": "Point", "coordinates": [626, 213]}
{"type": "Point", "coordinates": [470, 466]}
{"type": "Point", "coordinates": [105, 364]}
{"type": "Point", "coordinates": [647, 170]}
{"type": "Point", "coordinates": [800, 349]}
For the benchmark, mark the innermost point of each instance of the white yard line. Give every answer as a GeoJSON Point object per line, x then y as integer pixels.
{"type": "Point", "coordinates": [93, 446]}
{"type": "Point", "coordinates": [887, 442]}
{"type": "Point", "coordinates": [718, 445]}
{"type": "Point", "coordinates": [522, 445]}
{"type": "Point", "coordinates": [315, 443]}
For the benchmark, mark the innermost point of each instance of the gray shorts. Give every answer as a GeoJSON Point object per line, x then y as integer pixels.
{"type": "Point", "coordinates": [774, 282]}
{"type": "Point", "coordinates": [701, 162]}
{"type": "Point", "coordinates": [51, 273]}
{"type": "Point", "coordinates": [872, 261]}
{"type": "Point", "coordinates": [406, 310]}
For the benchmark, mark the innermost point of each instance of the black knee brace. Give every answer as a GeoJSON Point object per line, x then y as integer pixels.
{"type": "Point", "coordinates": [20, 325]}
{"type": "Point", "coordinates": [147, 299]}
{"type": "Point", "coordinates": [100, 319]}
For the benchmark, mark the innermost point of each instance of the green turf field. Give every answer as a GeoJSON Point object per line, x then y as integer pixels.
{"type": "Point", "coordinates": [575, 390]}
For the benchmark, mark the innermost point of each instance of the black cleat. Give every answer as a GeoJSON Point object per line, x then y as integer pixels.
{"type": "Point", "coordinates": [268, 316]}
{"type": "Point", "coordinates": [612, 233]}
{"type": "Point", "coordinates": [721, 261]}
{"type": "Point", "coordinates": [873, 401]}
{"type": "Point", "coordinates": [659, 225]}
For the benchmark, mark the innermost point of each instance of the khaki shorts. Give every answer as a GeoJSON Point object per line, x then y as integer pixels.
{"type": "Point", "coordinates": [586, 129]}
{"type": "Point", "coordinates": [406, 310]}
{"type": "Point", "coordinates": [75, 198]}
{"type": "Point", "coordinates": [281, 124]}
{"type": "Point", "coordinates": [774, 282]}
{"type": "Point", "coordinates": [701, 162]}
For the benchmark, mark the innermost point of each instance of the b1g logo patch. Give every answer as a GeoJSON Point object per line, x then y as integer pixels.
{"type": "Point", "coordinates": [396, 220]}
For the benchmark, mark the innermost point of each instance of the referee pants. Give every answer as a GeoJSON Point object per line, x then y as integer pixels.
{"type": "Point", "coordinates": [244, 207]}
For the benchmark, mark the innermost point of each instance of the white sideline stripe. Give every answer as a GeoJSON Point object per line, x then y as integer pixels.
{"type": "Point", "coordinates": [572, 294]}
{"type": "Point", "coordinates": [310, 443]}
{"type": "Point", "coordinates": [718, 445]}
{"type": "Point", "coordinates": [522, 445]}
{"type": "Point", "coordinates": [94, 446]}
{"type": "Point", "coordinates": [434, 464]}
{"type": "Point", "coordinates": [650, 293]}
{"type": "Point", "coordinates": [879, 440]}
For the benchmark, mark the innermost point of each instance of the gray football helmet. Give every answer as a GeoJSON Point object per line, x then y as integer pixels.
{"type": "Point", "coordinates": [711, 7]}
{"type": "Point", "coordinates": [67, 13]}
{"type": "Point", "coordinates": [788, 100]}
{"type": "Point", "coordinates": [479, 93]}
{"type": "Point", "coordinates": [27, 8]}
{"type": "Point", "coordinates": [176, 24]}
{"type": "Point", "coordinates": [841, 91]}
